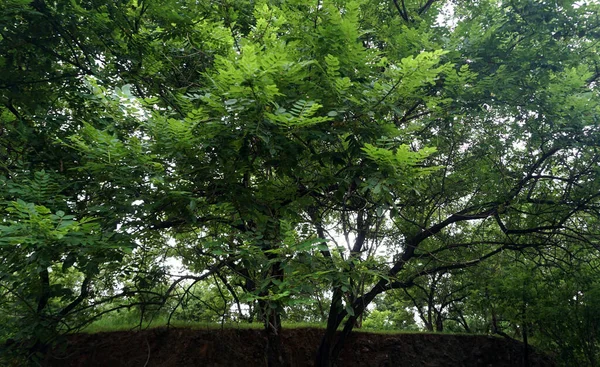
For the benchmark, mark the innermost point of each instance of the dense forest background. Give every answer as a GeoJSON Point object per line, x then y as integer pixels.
{"type": "Point", "coordinates": [402, 165]}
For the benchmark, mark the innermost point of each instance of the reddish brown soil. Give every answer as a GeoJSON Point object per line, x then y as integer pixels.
{"type": "Point", "coordinates": [231, 347]}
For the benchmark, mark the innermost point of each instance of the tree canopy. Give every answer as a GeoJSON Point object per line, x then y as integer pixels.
{"type": "Point", "coordinates": [309, 160]}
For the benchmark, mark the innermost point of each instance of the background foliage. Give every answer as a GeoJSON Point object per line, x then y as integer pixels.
{"type": "Point", "coordinates": [392, 164]}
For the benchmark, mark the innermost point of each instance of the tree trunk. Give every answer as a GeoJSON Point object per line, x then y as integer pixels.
{"type": "Point", "coordinates": [439, 322]}
{"type": "Point", "coordinates": [44, 295]}
{"type": "Point", "coordinates": [525, 335]}
{"type": "Point", "coordinates": [464, 322]}
{"type": "Point", "coordinates": [272, 320]}
{"type": "Point", "coordinates": [323, 358]}
{"type": "Point", "coordinates": [428, 325]}
{"type": "Point", "coordinates": [329, 351]}
{"type": "Point", "coordinates": [525, 346]}
{"type": "Point", "coordinates": [274, 350]}
{"type": "Point", "coordinates": [45, 330]}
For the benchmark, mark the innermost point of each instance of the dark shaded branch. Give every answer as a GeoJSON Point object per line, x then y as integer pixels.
{"type": "Point", "coordinates": [231, 291]}
{"type": "Point", "coordinates": [462, 265]}
{"type": "Point", "coordinates": [531, 170]}
{"type": "Point", "coordinates": [318, 223]}
{"type": "Point", "coordinates": [402, 12]}
{"type": "Point", "coordinates": [413, 243]}
{"type": "Point", "coordinates": [196, 278]}
{"type": "Point", "coordinates": [425, 7]}
{"type": "Point", "coordinates": [83, 294]}
{"type": "Point", "coordinates": [119, 307]}
{"type": "Point", "coordinates": [457, 245]}
{"type": "Point", "coordinates": [361, 227]}
{"type": "Point", "coordinates": [180, 300]}
{"type": "Point", "coordinates": [44, 296]}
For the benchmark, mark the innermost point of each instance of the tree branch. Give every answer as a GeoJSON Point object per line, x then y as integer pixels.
{"type": "Point", "coordinates": [402, 13]}
{"type": "Point", "coordinates": [413, 243]}
{"type": "Point", "coordinates": [425, 7]}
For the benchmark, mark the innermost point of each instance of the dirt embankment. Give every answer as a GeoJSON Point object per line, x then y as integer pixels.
{"type": "Point", "coordinates": [231, 347]}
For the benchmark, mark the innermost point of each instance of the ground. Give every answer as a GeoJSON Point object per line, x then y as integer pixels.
{"type": "Point", "coordinates": [180, 347]}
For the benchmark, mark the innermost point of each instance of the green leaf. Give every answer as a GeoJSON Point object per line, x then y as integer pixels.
{"type": "Point", "coordinates": [350, 310]}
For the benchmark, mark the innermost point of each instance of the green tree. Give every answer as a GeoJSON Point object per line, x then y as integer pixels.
{"type": "Point", "coordinates": [254, 134]}
{"type": "Point", "coordinates": [544, 298]}
{"type": "Point", "coordinates": [390, 313]}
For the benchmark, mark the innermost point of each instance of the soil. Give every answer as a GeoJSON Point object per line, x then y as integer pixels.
{"type": "Point", "coordinates": [179, 347]}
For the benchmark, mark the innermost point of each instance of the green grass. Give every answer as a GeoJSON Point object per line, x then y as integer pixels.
{"type": "Point", "coordinates": [125, 324]}
{"type": "Point", "coordinates": [129, 322]}
{"type": "Point", "coordinates": [301, 325]}
{"type": "Point", "coordinates": [394, 332]}
{"type": "Point", "coordinates": [125, 321]}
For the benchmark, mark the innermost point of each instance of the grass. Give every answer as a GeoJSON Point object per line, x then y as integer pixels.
{"type": "Point", "coordinates": [103, 325]}
{"type": "Point", "coordinates": [302, 325]}
{"type": "Point", "coordinates": [395, 332]}
{"type": "Point", "coordinates": [129, 322]}
{"type": "Point", "coordinates": [125, 321]}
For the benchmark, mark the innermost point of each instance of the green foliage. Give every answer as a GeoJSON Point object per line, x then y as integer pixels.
{"type": "Point", "coordinates": [402, 160]}
{"type": "Point", "coordinates": [389, 315]}
{"type": "Point", "coordinates": [280, 149]}
{"type": "Point", "coordinates": [555, 307]}
{"type": "Point", "coordinates": [31, 226]}
{"type": "Point", "coordinates": [300, 115]}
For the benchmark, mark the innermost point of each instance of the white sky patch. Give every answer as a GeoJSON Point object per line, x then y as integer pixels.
{"type": "Point", "coordinates": [446, 17]}
{"type": "Point", "coordinates": [176, 267]}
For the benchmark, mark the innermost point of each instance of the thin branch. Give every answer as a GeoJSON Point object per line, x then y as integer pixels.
{"type": "Point", "coordinates": [425, 7]}
{"type": "Point", "coordinates": [412, 243]}
{"type": "Point", "coordinates": [403, 14]}
{"type": "Point", "coordinates": [85, 290]}
{"type": "Point", "coordinates": [211, 271]}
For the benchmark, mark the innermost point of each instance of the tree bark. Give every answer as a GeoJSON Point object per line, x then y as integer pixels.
{"type": "Point", "coordinates": [329, 351]}
{"type": "Point", "coordinates": [323, 358]}
{"type": "Point", "coordinates": [525, 335]}
{"type": "Point", "coordinates": [275, 352]}
{"type": "Point", "coordinates": [439, 322]}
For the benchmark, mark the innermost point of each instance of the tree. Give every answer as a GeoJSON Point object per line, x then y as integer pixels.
{"type": "Point", "coordinates": [390, 314]}
{"type": "Point", "coordinates": [436, 298]}
{"type": "Point", "coordinates": [545, 297]}
{"type": "Point", "coordinates": [62, 233]}
{"type": "Point", "coordinates": [510, 166]}
{"type": "Point", "coordinates": [255, 134]}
